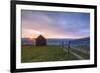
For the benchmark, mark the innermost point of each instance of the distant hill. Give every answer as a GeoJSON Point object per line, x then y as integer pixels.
{"type": "Point", "coordinates": [27, 41]}
{"type": "Point", "coordinates": [82, 41]}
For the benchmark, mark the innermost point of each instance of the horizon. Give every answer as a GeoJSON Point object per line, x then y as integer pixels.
{"type": "Point", "coordinates": [50, 24]}
{"type": "Point", "coordinates": [57, 38]}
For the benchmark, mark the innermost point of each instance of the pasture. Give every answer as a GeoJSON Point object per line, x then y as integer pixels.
{"type": "Point", "coordinates": [44, 54]}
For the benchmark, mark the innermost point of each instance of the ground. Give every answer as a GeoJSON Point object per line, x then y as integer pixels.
{"type": "Point", "coordinates": [46, 53]}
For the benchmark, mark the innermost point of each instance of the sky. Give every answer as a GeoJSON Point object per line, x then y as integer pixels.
{"type": "Point", "coordinates": [52, 24]}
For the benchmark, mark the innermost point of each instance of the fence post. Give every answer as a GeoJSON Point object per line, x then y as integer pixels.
{"type": "Point", "coordinates": [69, 47]}
{"type": "Point", "coordinates": [62, 44]}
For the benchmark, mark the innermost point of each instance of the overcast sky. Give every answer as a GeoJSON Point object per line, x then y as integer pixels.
{"type": "Point", "coordinates": [55, 24]}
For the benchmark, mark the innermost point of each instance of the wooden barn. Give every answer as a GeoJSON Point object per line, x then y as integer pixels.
{"type": "Point", "coordinates": [40, 41]}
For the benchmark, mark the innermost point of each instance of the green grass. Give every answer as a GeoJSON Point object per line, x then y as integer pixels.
{"type": "Point", "coordinates": [84, 55]}
{"type": "Point", "coordinates": [83, 47]}
{"type": "Point", "coordinates": [44, 54]}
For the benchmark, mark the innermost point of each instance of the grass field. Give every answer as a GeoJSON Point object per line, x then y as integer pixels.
{"type": "Point", "coordinates": [84, 51]}
{"type": "Point", "coordinates": [44, 54]}
{"type": "Point", "coordinates": [84, 55]}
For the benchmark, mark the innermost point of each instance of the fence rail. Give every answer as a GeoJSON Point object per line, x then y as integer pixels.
{"type": "Point", "coordinates": [79, 53]}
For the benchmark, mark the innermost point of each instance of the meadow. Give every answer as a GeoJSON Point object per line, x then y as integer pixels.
{"type": "Point", "coordinates": [31, 53]}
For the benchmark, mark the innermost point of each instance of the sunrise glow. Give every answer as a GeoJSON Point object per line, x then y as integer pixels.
{"type": "Point", "coordinates": [55, 24]}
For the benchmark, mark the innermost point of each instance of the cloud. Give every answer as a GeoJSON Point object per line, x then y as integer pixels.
{"type": "Point", "coordinates": [55, 24]}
